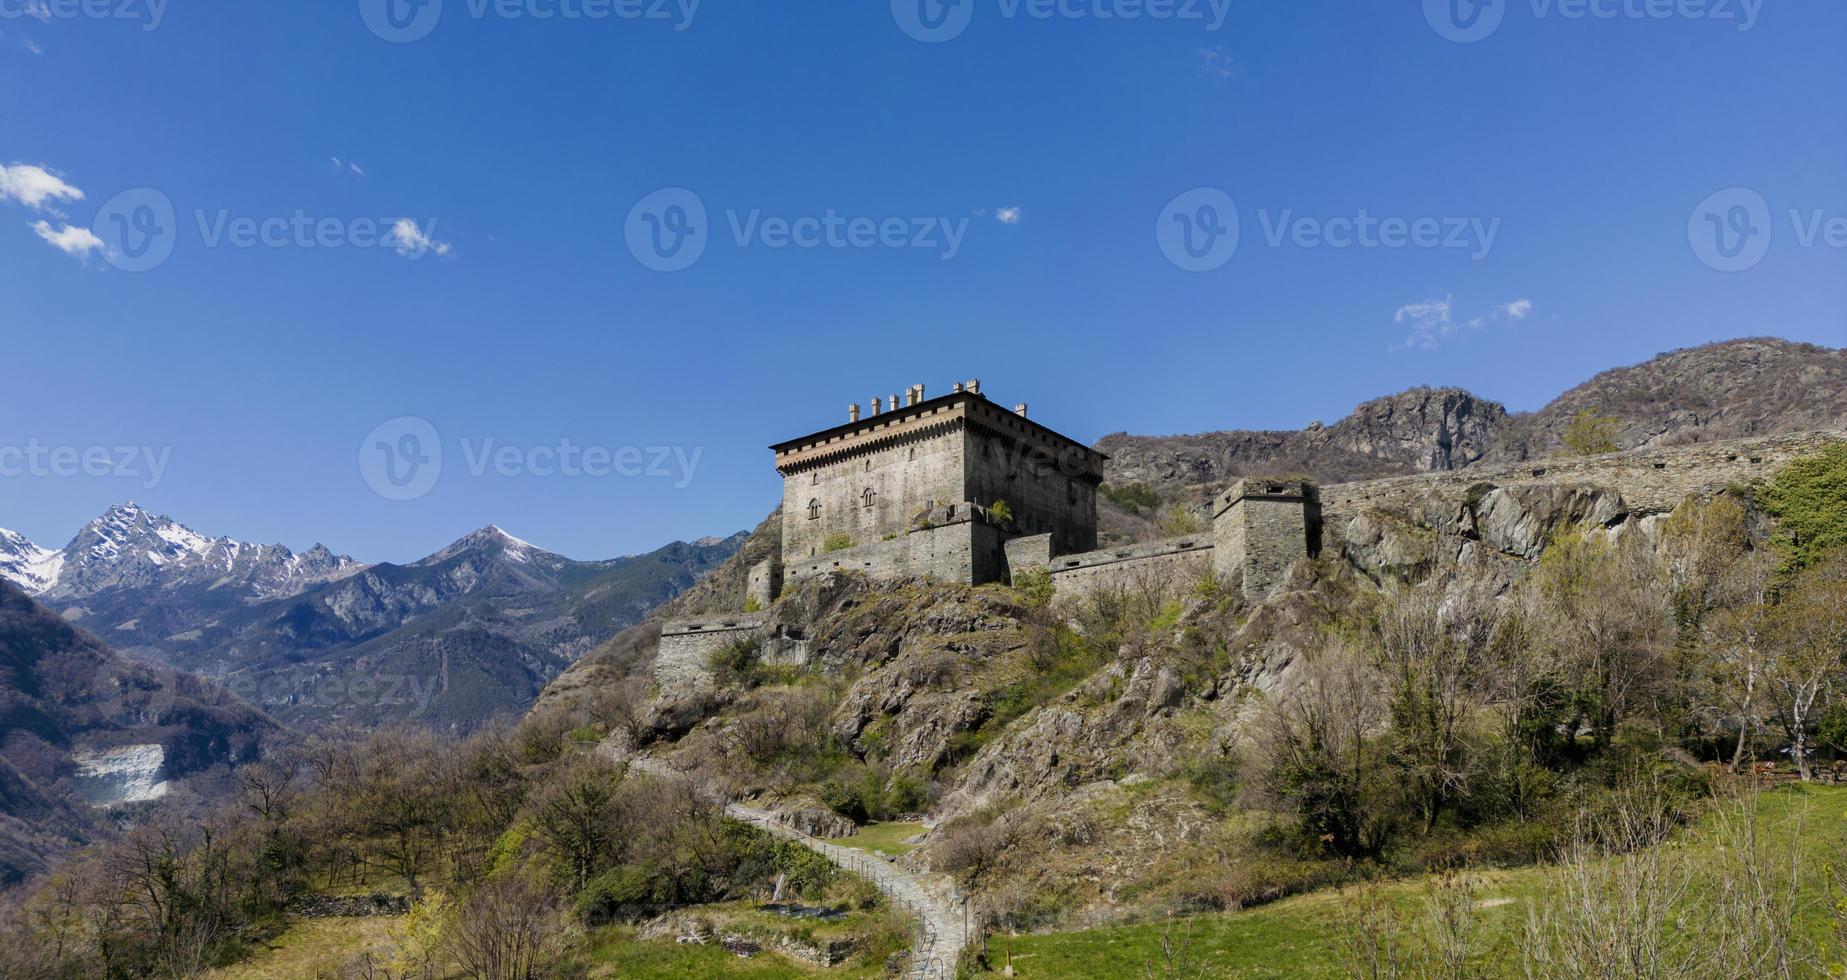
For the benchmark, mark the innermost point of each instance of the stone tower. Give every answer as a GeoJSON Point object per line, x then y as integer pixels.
{"type": "Point", "coordinates": [1260, 527]}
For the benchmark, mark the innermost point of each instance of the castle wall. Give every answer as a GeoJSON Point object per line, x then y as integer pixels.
{"type": "Point", "coordinates": [1176, 562]}
{"type": "Point", "coordinates": [1650, 480]}
{"type": "Point", "coordinates": [1029, 552]}
{"type": "Point", "coordinates": [906, 477]}
{"type": "Point", "coordinates": [764, 582]}
{"type": "Point", "coordinates": [684, 657]}
{"type": "Point", "coordinates": [958, 544]}
{"type": "Point", "coordinates": [1047, 494]}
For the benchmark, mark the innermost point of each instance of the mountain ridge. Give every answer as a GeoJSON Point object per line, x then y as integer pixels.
{"type": "Point", "coordinates": [1744, 387]}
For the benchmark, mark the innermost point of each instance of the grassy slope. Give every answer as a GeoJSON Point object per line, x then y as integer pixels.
{"type": "Point", "coordinates": [1295, 937]}
{"type": "Point", "coordinates": [312, 948]}
{"type": "Point", "coordinates": [883, 838]}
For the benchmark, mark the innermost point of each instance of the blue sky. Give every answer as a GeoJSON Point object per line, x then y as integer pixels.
{"type": "Point", "coordinates": [519, 149]}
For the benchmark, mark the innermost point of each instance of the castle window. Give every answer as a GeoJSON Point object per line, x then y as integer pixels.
{"type": "Point", "coordinates": [814, 510]}
{"type": "Point", "coordinates": [913, 452]}
{"type": "Point", "coordinates": [814, 479]}
{"type": "Point", "coordinates": [870, 497]}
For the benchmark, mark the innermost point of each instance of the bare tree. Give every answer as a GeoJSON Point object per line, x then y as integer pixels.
{"type": "Point", "coordinates": [1811, 640]}
{"type": "Point", "coordinates": [508, 930]}
{"type": "Point", "coordinates": [1320, 755]}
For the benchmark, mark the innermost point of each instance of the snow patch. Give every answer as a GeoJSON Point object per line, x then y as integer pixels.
{"type": "Point", "coordinates": [130, 774]}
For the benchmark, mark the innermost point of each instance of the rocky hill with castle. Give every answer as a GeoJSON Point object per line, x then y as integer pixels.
{"type": "Point", "coordinates": [957, 489]}
{"type": "Point", "coordinates": [938, 605]}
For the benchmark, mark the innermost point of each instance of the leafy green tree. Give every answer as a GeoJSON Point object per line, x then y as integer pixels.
{"type": "Point", "coordinates": [1133, 498]}
{"type": "Point", "coordinates": [1590, 434]}
{"type": "Point", "coordinates": [1808, 498]}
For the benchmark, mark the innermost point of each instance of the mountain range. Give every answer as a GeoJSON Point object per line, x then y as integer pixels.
{"type": "Point", "coordinates": [472, 631]}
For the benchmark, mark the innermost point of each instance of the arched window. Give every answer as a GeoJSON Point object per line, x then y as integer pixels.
{"type": "Point", "coordinates": [814, 510]}
{"type": "Point", "coordinates": [870, 497]}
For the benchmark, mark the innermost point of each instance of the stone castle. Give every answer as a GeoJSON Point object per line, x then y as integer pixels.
{"type": "Point", "coordinates": [958, 489]}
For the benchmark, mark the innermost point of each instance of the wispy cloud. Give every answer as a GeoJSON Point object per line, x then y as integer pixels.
{"type": "Point", "coordinates": [345, 167]}
{"type": "Point", "coordinates": [1433, 321]}
{"type": "Point", "coordinates": [414, 241]}
{"type": "Point", "coordinates": [30, 46]}
{"type": "Point", "coordinates": [35, 186]}
{"type": "Point", "coordinates": [1217, 65]}
{"type": "Point", "coordinates": [69, 239]}
{"type": "Point", "coordinates": [1007, 216]}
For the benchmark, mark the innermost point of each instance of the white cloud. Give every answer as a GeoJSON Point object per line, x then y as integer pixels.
{"type": "Point", "coordinates": [413, 241]}
{"type": "Point", "coordinates": [1215, 64]}
{"type": "Point", "coordinates": [38, 10]}
{"type": "Point", "coordinates": [1007, 216]}
{"type": "Point", "coordinates": [1433, 321]}
{"type": "Point", "coordinates": [354, 167]}
{"type": "Point", "coordinates": [33, 186]}
{"type": "Point", "coordinates": [69, 239]}
{"type": "Point", "coordinates": [35, 49]}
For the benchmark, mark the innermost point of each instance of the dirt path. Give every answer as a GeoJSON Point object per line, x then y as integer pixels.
{"type": "Point", "coordinates": [932, 901]}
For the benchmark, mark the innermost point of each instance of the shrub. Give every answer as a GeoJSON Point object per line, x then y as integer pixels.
{"type": "Point", "coordinates": [736, 664]}
{"type": "Point", "coordinates": [837, 541]}
{"type": "Point", "coordinates": [1177, 520]}
{"type": "Point", "coordinates": [1035, 584]}
{"type": "Point", "coordinates": [1133, 498]}
{"type": "Point", "coordinates": [1590, 434]}
{"type": "Point", "coordinates": [1001, 512]}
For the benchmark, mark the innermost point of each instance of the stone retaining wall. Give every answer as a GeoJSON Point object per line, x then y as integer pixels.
{"type": "Point", "coordinates": [1174, 561]}
{"type": "Point", "coordinates": [687, 646]}
{"type": "Point", "coordinates": [1649, 480]}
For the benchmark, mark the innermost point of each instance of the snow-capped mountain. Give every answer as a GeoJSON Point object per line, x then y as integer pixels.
{"type": "Point", "coordinates": [130, 548]}
{"type": "Point", "coordinates": [27, 565]}
{"type": "Point", "coordinates": [476, 628]}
